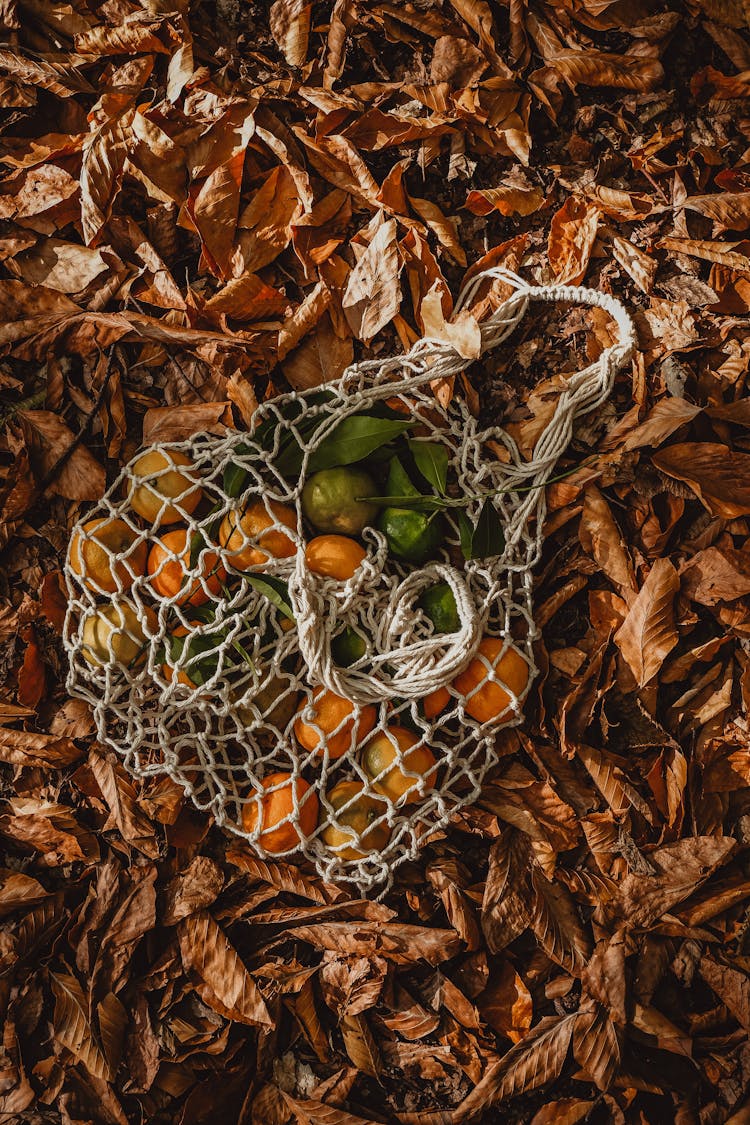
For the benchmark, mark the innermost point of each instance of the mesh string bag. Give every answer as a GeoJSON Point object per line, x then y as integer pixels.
{"type": "Point", "coordinates": [206, 645]}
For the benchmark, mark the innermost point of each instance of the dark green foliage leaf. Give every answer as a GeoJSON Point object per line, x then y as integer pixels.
{"type": "Point", "coordinates": [354, 439]}
{"type": "Point", "coordinates": [431, 459]}
{"type": "Point", "coordinates": [399, 482]}
{"type": "Point", "coordinates": [465, 533]}
{"type": "Point", "coordinates": [488, 539]}
{"type": "Point", "coordinates": [275, 589]}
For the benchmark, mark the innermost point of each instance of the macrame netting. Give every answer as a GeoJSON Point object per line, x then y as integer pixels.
{"type": "Point", "coordinates": [216, 710]}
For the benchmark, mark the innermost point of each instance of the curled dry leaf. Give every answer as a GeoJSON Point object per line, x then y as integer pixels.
{"type": "Point", "coordinates": [193, 889]}
{"type": "Point", "coordinates": [372, 295]}
{"type": "Point", "coordinates": [18, 890]}
{"type": "Point", "coordinates": [571, 239]}
{"type": "Point", "coordinates": [119, 793]}
{"type": "Point", "coordinates": [719, 476]}
{"type": "Point", "coordinates": [510, 199]}
{"type": "Point", "coordinates": [50, 829]}
{"type": "Point", "coordinates": [25, 748]}
{"type": "Point", "coordinates": [729, 210]}
{"type": "Point", "coordinates": [290, 27]}
{"type": "Point", "coordinates": [597, 68]}
{"type": "Point", "coordinates": [397, 942]}
{"type": "Point", "coordinates": [601, 537]}
{"type": "Point", "coordinates": [230, 989]}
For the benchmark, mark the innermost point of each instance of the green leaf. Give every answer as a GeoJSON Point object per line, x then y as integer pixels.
{"type": "Point", "coordinates": [465, 533]}
{"type": "Point", "coordinates": [399, 482]}
{"type": "Point", "coordinates": [235, 480]}
{"type": "Point", "coordinates": [197, 544]}
{"type": "Point", "coordinates": [488, 539]}
{"type": "Point", "coordinates": [431, 459]}
{"type": "Point", "coordinates": [288, 460]}
{"type": "Point", "coordinates": [275, 589]}
{"type": "Point", "coordinates": [247, 658]}
{"type": "Point", "coordinates": [354, 439]}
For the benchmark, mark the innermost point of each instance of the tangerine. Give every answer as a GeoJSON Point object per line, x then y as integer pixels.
{"type": "Point", "coordinates": [435, 702]}
{"type": "Point", "coordinates": [273, 811]}
{"type": "Point", "coordinates": [337, 724]}
{"type": "Point", "coordinates": [160, 489]}
{"type": "Point", "coordinates": [334, 556]}
{"type": "Point", "coordinates": [117, 634]}
{"type": "Point", "coordinates": [169, 567]}
{"type": "Point", "coordinates": [392, 757]}
{"type": "Point", "coordinates": [355, 831]}
{"type": "Point", "coordinates": [251, 536]}
{"type": "Point", "coordinates": [93, 548]}
{"type": "Point", "coordinates": [488, 684]}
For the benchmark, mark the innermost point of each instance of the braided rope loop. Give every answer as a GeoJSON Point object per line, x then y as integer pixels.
{"type": "Point", "coordinates": [208, 662]}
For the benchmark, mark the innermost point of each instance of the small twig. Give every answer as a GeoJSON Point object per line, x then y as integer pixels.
{"type": "Point", "coordinates": [29, 403]}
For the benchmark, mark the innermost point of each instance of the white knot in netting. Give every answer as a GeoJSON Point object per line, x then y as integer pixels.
{"type": "Point", "coordinates": [318, 708]}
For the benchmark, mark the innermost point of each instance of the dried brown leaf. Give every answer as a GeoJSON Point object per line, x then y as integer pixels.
{"type": "Point", "coordinates": [207, 952]}
{"type": "Point", "coordinates": [18, 890]}
{"type": "Point", "coordinates": [120, 796]}
{"type": "Point", "coordinates": [601, 68]}
{"type": "Point", "coordinates": [193, 889]}
{"type": "Point", "coordinates": [352, 985]}
{"type": "Point", "coordinates": [398, 942]}
{"type": "Point", "coordinates": [79, 476]}
{"type": "Point", "coordinates": [572, 235]}
{"type": "Point", "coordinates": [372, 295]}
{"type": "Point", "coordinates": [176, 423]}
{"type": "Point", "coordinates": [71, 1025]}
{"type": "Point", "coordinates": [290, 27]}
{"type": "Point", "coordinates": [649, 632]}
{"type": "Point", "coordinates": [508, 199]}
{"type": "Point", "coordinates": [25, 748]}
{"type": "Point", "coordinates": [556, 924]}
{"type": "Point", "coordinates": [536, 1060]}
{"type": "Point", "coordinates": [507, 906]}
{"type": "Point", "coordinates": [680, 868]}
{"type": "Point", "coordinates": [730, 210]}
{"type": "Point", "coordinates": [719, 476]}
{"type": "Point", "coordinates": [601, 538]}
{"type": "Point", "coordinates": [360, 1044]}
{"type": "Point", "coordinates": [51, 829]}
{"type": "Point", "coordinates": [595, 1045]}
{"type": "Point", "coordinates": [322, 357]}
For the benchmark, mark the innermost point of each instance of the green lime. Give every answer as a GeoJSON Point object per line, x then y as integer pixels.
{"type": "Point", "coordinates": [347, 647]}
{"type": "Point", "coordinates": [439, 604]}
{"type": "Point", "coordinates": [412, 536]}
{"type": "Point", "coordinates": [330, 501]}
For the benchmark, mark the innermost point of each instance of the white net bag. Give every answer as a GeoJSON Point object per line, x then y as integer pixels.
{"type": "Point", "coordinates": [323, 688]}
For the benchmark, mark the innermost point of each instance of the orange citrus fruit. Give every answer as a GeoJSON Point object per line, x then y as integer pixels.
{"type": "Point", "coordinates": [389, 776]}
{"type": "Point", "coordinates": [170, 577]}
{"type": "Point", "coordinates": [336, 724]}
{"type": "Point", "coordinates": [270, 809]}
{"type": "Point", "coordinates": [334, 556]}
{"type": "Point", "coordinates": [354, 832]}
{"type": "Point", "coordinates": [117, 634]}
{"type": "Point", "coordinates": [161, 486]}
{"type": "Point", "coordinates": [486, 699]}
{"type": "Point", "coordinates": [239, 528]}
{"type": "Point", "coordinates": [92, 550]}
{"type": "Point", "coordinates": [435, 702]}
